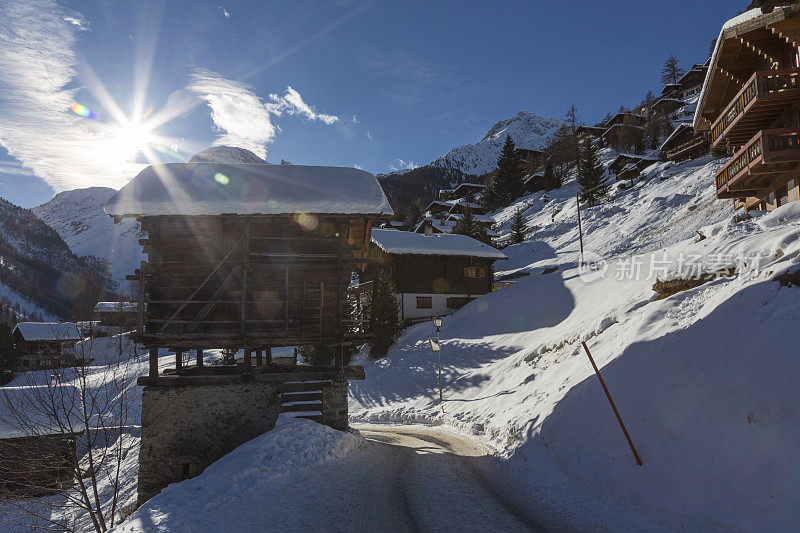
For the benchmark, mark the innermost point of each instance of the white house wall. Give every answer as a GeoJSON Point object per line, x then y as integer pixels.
{"type": "Point", "coordinates": [408, 305]}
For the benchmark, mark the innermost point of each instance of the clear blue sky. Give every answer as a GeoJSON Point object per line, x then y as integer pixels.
{"type": "Point", "coordinates": [374, 84]}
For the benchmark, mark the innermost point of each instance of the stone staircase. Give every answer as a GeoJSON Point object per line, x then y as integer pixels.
{"type": "Point", "coordinates": [303, 399]}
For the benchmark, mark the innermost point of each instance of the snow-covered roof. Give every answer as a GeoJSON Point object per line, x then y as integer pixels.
{"type": "Point", "coordinates": [445, 226]}
{"type": "Point", "coordinates": [440, 203]}
{"type": "Point", "coordinates": [712, 62]}
{"type": "Point", "coordinates": [467, 204]}
{"type": "Point", "coordinates": [535, 175]}
{"type": "Point", "coordinates": [30, 416]}
{"type": "Point", "coordinates": [405, 242]}
{"type": "Point", "coordinates": [486, 219]}
{"type": "Point", "coordinates": [115, 307]}
{"type": "Point", "coordinates": [49, 331]}
{"type": "Point", "coordinates": [247, 189]}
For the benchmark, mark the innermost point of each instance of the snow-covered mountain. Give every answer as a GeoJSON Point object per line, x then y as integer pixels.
{"type": "Point", "coordinates": [227, 154]}
{"type": "Point", "coordinates": [527, 130]}
{"type": "Point", "coordinates": [79, 219]}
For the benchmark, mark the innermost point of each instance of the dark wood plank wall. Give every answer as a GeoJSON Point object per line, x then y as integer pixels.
{"type": "Point", "coordinates": [297, 270]}
{"type": "Point", "coordinates": [433, 274]}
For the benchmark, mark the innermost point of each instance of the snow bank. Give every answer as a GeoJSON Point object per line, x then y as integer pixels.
{"type": "Point", "coordinates": [235, 492]}
{"type": "Point", "coordinates": [705, 379]}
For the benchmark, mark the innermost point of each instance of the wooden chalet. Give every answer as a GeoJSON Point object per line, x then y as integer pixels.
{"type": "Point", "coordinates": [37, 450]}
{"type": "Point", "coordinates": [533, 182]}
{"type": "Point", "coordinates": [629, 163]}
{"type": "Point", "coordinates": [750, 105]}
{"type": "Point", "coordinates": [432, 225]}
{"type": "Point", "coordinates": [531, 159]}
{"type": "Point", "coordinates": [461, 206]}
{"type": "Point", "coordinates": [665, 105]}
{"type": "Point", "coordinates": [438, 207]}
{"type": "Point", "coordinates": [465, 189]}
{"type": "Point", "coordinates": [115, 314]}
{"type": "Point", "coordinates": [692, 81]}
{"type": "Point", "coordinates": [243, 256]}
{"type": "Point", "coordinates": [671, 90]}
{"type": "Point", "coordinates": [39, 345]}
{"type": "Point", "coordinates": [433, 275]}
{"type": "Point", "coordinates": [623, 130]}
{"type": "Point", "coordinates": [684, 144]}
{"type": "Point", "coordinates": [591, 132]}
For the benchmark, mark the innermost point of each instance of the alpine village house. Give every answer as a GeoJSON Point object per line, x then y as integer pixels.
{"type": "Point", "coordinates": [249, 256]}
{"type": "Point", "coordinates": [434, 275]}
{"type": "Point", "coordinates": [750, 104]}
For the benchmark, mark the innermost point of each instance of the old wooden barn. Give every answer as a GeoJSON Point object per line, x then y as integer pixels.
{"type": "Point", "coordinates": [241, 256]}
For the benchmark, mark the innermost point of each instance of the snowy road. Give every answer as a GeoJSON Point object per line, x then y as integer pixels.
{"type": "Point", "coordinates": [403, 479]}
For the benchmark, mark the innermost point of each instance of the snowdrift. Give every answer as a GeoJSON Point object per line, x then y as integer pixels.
{"type": "Point", "coordinates": [705, 379]}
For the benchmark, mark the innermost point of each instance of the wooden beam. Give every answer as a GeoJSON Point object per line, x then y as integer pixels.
{"type": "Point", "coordinates": [178, 360]}
{"type": "Point", "coordinates": [245, 259]}
{"type": "Point", "coordinates": [203, 313]}
{"type": "Point", "coordinates": [199, 354]}
{"type": "Point", "coordinates": [153, 359]}
{"type": "Point", "coordinates": [259, 357]}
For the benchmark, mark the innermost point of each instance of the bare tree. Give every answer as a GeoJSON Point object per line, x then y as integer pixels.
{"type": "Point", "coordinates": [72, 438]}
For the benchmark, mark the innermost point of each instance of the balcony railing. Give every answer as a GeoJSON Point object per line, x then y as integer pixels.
{"type": "Point", "coordinates": [773, 88]}
{"type": "Point", "coordinates": [767, 149]}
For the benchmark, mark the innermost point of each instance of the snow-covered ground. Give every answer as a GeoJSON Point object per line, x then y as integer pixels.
{"type": "Point", "coordinates": [705, 379]}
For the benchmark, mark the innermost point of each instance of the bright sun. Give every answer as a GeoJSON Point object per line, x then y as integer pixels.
{"type": "Point", "coordinates": [129, 139]}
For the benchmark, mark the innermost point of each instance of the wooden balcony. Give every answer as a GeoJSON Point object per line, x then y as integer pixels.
{"type": "Point", "coordinates": [761, 101]}
{"type": "Point", "coordinates": [770, 155]}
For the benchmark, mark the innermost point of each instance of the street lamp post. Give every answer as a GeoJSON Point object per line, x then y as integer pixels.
{"type": "Point", "coordinates": [437, 323]}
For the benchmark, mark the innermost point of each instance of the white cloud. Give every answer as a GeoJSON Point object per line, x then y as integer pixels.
{"type": "Point", "coordinates": [237, 112]}
{"type": "Point", "coordinates": [225, 12]}
{"type": "Point", "coordinates": [369, 135]}
{"type": "Point", "coordinates": [292, 104]}
{"type": "Point", "coordinates": [399, 164]}
{"type": "Point", "coordinates": [36, 127]}
{"type": "Point", "coordinates": [240, 115]}
{"type": "Point", "coordinates": [355, 119]}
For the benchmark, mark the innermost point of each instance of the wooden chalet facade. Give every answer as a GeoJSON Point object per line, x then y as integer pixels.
{"type": "Point", "coordinates": [684, 144]}
{"type": "Point", "coordinates": [629, 166]}
{"type": "Point", "coordinates": [623, 130]}
{"type": "Point", "coordinates": [433, 275]}
{"type": "Point", "coordinates": [40, 345]}
{"type": "Point", "coordinates": [750, 106]}
{"type": "Point", "coordinates": [531, 159]}
{"type": "Point", "coordinates": [115, 314]}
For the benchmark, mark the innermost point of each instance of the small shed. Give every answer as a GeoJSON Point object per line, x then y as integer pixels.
{"type": "Point", "coordinates": [41, 345]}
{"type": "Point", "coordinates": [637, 162]}
{"type": "Point", "coordinates": [433, 275]}
{"type": "Point", "coordinates": [684, 144]}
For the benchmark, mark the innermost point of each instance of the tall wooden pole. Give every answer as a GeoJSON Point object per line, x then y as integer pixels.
{"type": "Point", "coordinates": [199, 354]}
{"type": "Point", "coordinates": [153, 362]}
{"type": "Point", "coordinates": [614, 407]}
{"type": "Point", "coordinates": [580, 229]}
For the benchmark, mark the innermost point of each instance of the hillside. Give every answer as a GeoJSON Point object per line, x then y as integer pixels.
{"type": "Point", "coordinates": [39, 272]}
{"type": "Point", "coordinates": [468, 162]}
{"type": "Point", "coordinates": [710, 405]}
{"type": "Point", "coordinates": [79, 219]}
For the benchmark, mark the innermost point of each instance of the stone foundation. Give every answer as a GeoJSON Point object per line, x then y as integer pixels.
{"type": "Point", "coordinates": [334, 404]}
{"type": "Point", "coordinates": [186, 428]}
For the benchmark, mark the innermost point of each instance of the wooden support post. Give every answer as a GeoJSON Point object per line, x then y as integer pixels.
{"type": "Point", "coordinates": [259, 357]}
{"type": "Point", "coordinates": [268, 354]}
{"type": "Point", "coordinates": [140, 302]}
{"type": "Point", "coordinates": [178, 360]}
{"type": "Point", "coordinates": [199, 353]}
{"type": "Point", "coordinates": [153, 362]}
{"type": "Point", "coordinates": [248, 363]}
{"type": "Point", "coordinates": [245, 260]}
{"type": "Point", "coordinates": [339, 361]}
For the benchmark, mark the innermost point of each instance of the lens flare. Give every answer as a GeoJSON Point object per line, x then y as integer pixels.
{"type": "Point", "coordinates": [307, 221]}
{"type": "Point", "coordinates": [82, 110]}
{"type": "Point", "coordinates": [221, 178]}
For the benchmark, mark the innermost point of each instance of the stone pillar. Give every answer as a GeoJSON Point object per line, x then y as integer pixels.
{"type": "Point", "coordinates": [186, 428]}
{"type": "Point", "coordinates": [334, 404]}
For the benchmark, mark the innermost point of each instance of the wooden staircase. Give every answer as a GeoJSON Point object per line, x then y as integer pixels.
{"type": "Point", "coordinates": [303, 399]}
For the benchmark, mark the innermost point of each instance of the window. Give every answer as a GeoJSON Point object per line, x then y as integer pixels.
{"type": "Point", "coordinates": [474, 272]}
{"type": "Point", "coordinates": [424, 302]}
{"type": "Point", "coordinates": [457, 302]}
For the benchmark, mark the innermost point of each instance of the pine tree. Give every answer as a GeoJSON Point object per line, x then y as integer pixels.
{"type": "Point", "coordinates": [506, 186]}
{"type": "Point", "coordinates": [591, 175]}
{"type": "Point", "coordinates": [671, 72]}
{"type": "Point", "coordinates": [572, 118]}
{"type": "Point", "coordinates": [384, 324]}
{"type": "Point", "coordinates": [469, 227]}
{"type": "Point", "coordinates": [518, 228]}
